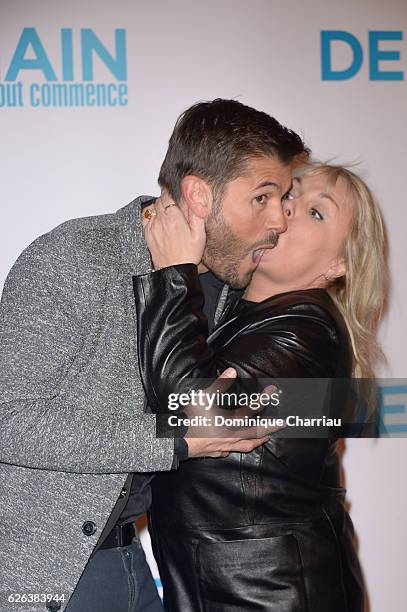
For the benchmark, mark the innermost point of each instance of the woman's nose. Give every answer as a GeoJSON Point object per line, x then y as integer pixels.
{"type": "Point", "coordinates": [289, 208]}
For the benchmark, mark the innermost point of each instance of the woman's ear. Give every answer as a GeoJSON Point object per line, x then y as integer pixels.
{"type": "Point", "coordinates": [336, 269]}
{"type": "Point", "coordinates": [197, 195]}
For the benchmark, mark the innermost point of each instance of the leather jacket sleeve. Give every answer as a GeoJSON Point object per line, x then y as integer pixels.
{"type": "Point", "coordinates": [287, 339]}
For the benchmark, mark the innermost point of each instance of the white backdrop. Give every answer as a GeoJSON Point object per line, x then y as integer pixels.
{"type": "Point", "coordinates": [62, 162]}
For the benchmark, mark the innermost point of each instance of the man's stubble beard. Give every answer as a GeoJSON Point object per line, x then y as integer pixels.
{"type": "Point", "coordinates": [224, 251]}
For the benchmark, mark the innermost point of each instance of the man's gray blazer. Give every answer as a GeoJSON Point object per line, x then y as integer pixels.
{"type": "Point", "coordinates": [72, 424]}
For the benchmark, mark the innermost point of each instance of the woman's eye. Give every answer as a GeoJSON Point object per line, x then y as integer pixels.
{"type": "Point", "coordinates": [288, 196]}
{"type": "Point", "coordinates": [261, 199]}
{"type": "Point", "coordinates": [316, 214]}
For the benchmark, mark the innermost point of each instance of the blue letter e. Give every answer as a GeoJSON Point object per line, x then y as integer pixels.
{"type": "Point", "coordinates": [376, 55]}
{"type": "Point", "coordinates": [327, 36]}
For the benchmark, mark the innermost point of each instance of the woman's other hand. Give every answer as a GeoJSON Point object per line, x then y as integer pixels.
{"type": "Point", "coordinates": [171, 237]}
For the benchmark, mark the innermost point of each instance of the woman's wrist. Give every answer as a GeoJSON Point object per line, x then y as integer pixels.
{"type": "Point", "coordinates": [172, 265]}
{"type": "Point", "coordinates": [166, 262]}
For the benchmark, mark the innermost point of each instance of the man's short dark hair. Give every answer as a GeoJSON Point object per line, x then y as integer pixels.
{"type": "Point", "coordinates": [215, 140]}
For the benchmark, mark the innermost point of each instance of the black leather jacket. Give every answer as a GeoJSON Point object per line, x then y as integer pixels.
{"type": "Point", "coordinates": [260, 531]}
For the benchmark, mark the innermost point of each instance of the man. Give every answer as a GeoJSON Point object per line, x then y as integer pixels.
{"type": "Point", "coordinates": [74, 435]}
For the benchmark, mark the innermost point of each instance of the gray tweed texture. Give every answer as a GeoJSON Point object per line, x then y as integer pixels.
{"type": "Point", "coordinates": [72, 424]}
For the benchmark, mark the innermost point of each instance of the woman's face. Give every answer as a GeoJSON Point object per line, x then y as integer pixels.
{"type": "Point", "coordinates": [309, 253]}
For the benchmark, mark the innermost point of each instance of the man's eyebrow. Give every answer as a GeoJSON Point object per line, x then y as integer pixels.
{"type": "Point", "coordinates": [267, 184]}
{"type": "Point", "coordinates": [323, 194]}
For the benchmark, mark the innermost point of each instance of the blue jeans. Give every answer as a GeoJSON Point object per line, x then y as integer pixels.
{"type": "Point", "coordinates": [116, 580]}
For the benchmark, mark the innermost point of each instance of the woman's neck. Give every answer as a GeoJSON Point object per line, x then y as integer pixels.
{"type": "Point", "coordinates": [256, 293]}
{"type": "Point", "coordinates": [262, 287]}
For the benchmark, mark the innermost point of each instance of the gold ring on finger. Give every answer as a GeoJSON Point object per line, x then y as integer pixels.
{"type": "Point", "coordinates": [169, 206]}
{"type": "Point", "coordinates": [149, 213]}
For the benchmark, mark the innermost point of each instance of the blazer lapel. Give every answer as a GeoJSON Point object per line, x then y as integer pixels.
{"type": "Point", "coordinates": [135, 253]}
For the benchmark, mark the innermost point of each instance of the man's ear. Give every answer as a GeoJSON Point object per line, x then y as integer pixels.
{"type": "Point", "coordinates": [336, 269]}
{"type": "Point", "coordinates": [197, 195]}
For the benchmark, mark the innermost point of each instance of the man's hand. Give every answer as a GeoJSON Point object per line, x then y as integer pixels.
{"type": "Point", "coordinates": [221, 447]}
{"type": "Point", "coordinates": [171, 237]}
{"type": "Point", "coordinates": [245, 440]}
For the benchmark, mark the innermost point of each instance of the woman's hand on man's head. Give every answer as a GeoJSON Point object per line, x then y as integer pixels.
{"type": "Point", "coordinates": [171, 237]}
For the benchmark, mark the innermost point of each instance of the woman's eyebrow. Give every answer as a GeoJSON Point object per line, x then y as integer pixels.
{"type": "Point", "coordinates": [296, 184]}
{"type": "Point", "coordinates": [323, 194]}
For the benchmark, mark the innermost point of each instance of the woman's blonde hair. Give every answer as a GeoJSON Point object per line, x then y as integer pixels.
{"type": "Point", "coordinates": [361, 294]}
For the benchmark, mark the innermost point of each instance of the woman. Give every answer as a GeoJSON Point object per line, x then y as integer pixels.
{"type": "Point", "coordinates": [268, 530]}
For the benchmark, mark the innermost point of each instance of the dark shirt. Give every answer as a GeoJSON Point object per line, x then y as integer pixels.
{"type": "Point", "coordinates": [212, 288]}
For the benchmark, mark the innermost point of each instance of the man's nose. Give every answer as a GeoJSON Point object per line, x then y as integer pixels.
{"type": "Point", "coordinates": [276, 219]}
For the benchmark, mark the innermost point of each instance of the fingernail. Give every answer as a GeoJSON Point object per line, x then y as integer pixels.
{"type": "Point", "coordinates": [230, 372]}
